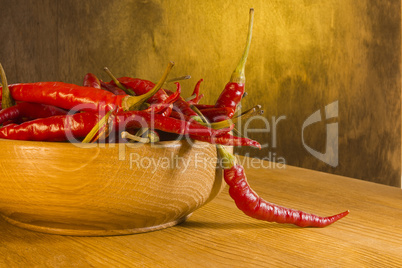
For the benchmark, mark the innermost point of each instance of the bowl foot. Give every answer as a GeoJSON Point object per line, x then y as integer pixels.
{"type": "Point", "coordinates": [76, 232]}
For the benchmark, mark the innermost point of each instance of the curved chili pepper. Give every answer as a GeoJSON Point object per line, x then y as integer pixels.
{"type": "Point", "coordinates": [90, 80]}
{"type": "Point", "coordinates": [112, 88]}
{"type": "Point", "coordinates": [233, 91]}
{"type": "Point", "coordinates": [196, 93]}
{"type": "Point", "coordinates": [256, 207]}
{"type": "Point", "coordinates": [29, 110]}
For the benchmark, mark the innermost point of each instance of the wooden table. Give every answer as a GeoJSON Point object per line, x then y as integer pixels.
{"type": "Point", "coordinates": [219, 235]}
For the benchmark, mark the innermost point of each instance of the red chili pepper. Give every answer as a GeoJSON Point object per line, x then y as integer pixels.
{"type": "Point", "coordinates": [79, 125]}
{"type": "Point", "coordinates": [256, 207]}
{"type": "Point", "coordinates": [180, 116]}
{"type": "Point", "coordinates": [55, 128]}
{"type": "Point", "coordinates": [69, 96]}
{"type": "Point", "coordinates": [29, 110]}
{"type": "Point", "coordinates": [112, 88]}
{"type": "Point", "coordinates": [167, 111]}
{"type": "Point", "coordinates": [234, 90]}
{"type": "Point", "coordinates": [90, 80]}
{"type": "Point", "coordinates": [139, 119]}
{"type": "Point", "coordinates": [196, 93]}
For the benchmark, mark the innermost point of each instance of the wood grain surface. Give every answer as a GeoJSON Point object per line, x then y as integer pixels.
{"type": "Point", "coordinates": [304, 55]}
{"type": "Point", "coordinates": [218, 235]}
{"type": "Point", "coordinates": [105, 189]}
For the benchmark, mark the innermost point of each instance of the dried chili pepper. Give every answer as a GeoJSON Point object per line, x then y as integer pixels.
{"type": "Point", "coordinates": [30, 111]}
{"type": "Point", "coordinates": [69, 96]}
{"type": "Point", "coordinates": [138, 119]}
{"type": "Point", "coordinates": [254, 206]}
{"type": "Point", "coordinates": [55, 128]}
{"type": "Point", "coordinates": [196, 94]}
{"type": "Point", "coordinates": [233, 91]}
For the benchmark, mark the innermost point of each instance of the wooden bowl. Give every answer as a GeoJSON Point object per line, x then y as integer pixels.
{"type": "Point", "coordinates": [105, 189]}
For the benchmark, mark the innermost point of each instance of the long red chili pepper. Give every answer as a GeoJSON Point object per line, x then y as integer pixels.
{"type": "Point", "coordinates": [29, 110]}
{"type": "Point", "coordinates": [90, 80]}
{"type": "Point", "coordinates": [69, 96]}
{"type": "Point", "coordinates": [233, 91]}
{"type": "Point", "coordinates": [55, 128]}
{"type": "Point", "coordinates": [138, 119]}
{"type": "Point", "coordinates": [254, 206]}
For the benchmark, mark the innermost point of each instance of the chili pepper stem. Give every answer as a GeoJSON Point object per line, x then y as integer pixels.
{"type": "Point", "coordinates": [97, 127]}
{"type": "Point", "coordinates": [228, 160]}
{"type": "Point", "coordinates": [126, 135]}
{"type": "Point", "coordinates": [7, 99]}
{"type": "Point", "coordinates": [135, 102]}
{"type": "Point", "coordinates": [117, 82]}
{"type": "Point", "coordinates": [238, 76]}
{"type": "Point", "coordinates": [180, 78]}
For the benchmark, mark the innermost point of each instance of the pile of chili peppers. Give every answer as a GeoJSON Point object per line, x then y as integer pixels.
{"type": "Point", "coordinates": [140, 110]}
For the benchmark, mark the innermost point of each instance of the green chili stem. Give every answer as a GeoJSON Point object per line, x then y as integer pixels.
{"type": "Point", "coordinates": [180, 78]}
{"type": "Point", "coordinates": [126, 135]}
{"type": "Point", "coordinates": [117, 82]}
{"type": "Point", "coordinates": [97, 127]}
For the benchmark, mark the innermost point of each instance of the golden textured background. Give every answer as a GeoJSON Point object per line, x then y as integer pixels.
{"type": "Point", "coordinates": [305, 54]}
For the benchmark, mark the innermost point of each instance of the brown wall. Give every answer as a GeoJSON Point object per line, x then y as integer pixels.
{"type": "Point", "coordinates": [305, 54]}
